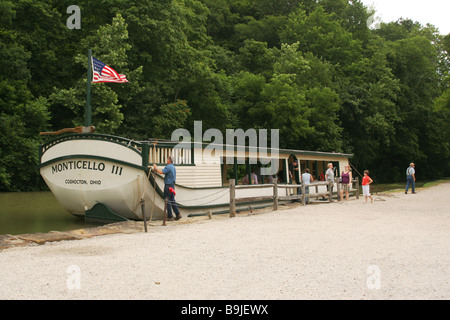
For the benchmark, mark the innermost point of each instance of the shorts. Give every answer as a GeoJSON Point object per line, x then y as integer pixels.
{"type": "Point", "coordinates": [345, 187]}
{"type": "Point", "coordinates": [366, 190]}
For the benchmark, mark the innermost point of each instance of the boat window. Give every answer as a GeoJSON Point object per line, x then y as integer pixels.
{"type": "Point", "coordinates": [282, 174]}
{"type": "Point", "coordinates": [336, 168]}
{"type": "Point", "coordinates": [318, 168]}
{"type": "Point", "coordinates": [242, 172]}
{"type": "Point", "coordinates": [294, 169]}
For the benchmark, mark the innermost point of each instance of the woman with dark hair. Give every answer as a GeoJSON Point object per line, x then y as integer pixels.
{"type": "Point", "coordinates": [346, 183]}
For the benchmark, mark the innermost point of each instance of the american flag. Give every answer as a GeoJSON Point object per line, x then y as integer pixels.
{"type": "Point", "coordinates": [104, 73]}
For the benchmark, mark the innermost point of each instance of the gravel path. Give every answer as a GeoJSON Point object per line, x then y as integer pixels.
{"type": "Point", "coordinates": [395, 248]}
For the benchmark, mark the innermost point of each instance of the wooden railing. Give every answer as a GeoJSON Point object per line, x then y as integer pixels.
{"type": "Point", "coordinates": [301, 196]}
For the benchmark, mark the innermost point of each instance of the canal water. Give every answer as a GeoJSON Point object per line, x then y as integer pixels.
{"type": "Point", "coordinates": [33, 212]}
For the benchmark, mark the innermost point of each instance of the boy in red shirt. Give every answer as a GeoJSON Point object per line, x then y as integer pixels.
{"type": "Point", "coordinates": [366, 181]}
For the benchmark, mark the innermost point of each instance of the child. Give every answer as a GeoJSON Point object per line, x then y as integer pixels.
{"type": "Point", "coordinates": [366, 181]}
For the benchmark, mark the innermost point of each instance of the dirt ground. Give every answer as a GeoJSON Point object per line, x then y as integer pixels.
{"type": "Point", "coordinates": [397, 247]}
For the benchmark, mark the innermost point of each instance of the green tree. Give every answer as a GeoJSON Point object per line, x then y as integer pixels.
{"type": "Point", "coordinates": [22, 116]}
{"type": "Point", "coordinates": [106, 115]}
{"type": "Point", "coordinates": [309, 68]}
{"type": "Point", "coordinates": [321, 34]}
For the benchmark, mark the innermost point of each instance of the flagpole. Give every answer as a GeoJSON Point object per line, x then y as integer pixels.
{"type": "Point", "coordinates": [88, 108]}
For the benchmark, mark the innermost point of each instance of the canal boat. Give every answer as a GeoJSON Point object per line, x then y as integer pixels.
{"type": "Point", "coordinates": [94, 174]}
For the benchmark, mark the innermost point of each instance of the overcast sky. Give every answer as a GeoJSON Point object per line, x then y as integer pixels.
{"type": "Point", "coordinates": [435, 12]}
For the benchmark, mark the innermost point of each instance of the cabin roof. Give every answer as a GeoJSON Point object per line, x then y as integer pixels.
{"type": "Point", "coordinates": [167, 143]}
{"type": "Point", "coordinates": [317, 153]}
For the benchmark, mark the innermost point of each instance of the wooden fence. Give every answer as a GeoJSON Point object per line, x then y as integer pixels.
{"type": "Point", "coordinates": [301, 196]}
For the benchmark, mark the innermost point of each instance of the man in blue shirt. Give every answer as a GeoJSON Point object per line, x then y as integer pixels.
{"type": "Point", "coordinates": [411, 178]}
{"type": "Point", "coordinates": [169, 188]}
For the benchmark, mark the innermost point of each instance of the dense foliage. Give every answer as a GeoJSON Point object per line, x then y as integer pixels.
{"type": "Point", "coordinates": [312, 69]}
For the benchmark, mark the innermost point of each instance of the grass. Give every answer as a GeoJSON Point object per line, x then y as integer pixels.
{"type": "Point", "coordinates": [435, 183]}
{"type": "Point", "coordinates": [400, 186]}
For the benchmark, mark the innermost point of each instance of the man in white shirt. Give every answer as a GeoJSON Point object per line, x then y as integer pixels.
{"type": "Point", "coordinates": [329, 175]}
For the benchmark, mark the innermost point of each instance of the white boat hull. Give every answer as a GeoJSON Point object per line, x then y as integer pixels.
{"type": "Point", "coordinates": [79, 190]}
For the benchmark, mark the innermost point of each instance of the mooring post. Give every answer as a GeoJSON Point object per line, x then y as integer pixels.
{"type": "Point", "coordinates": [165, 212]}
{"type": "Point", "coordinates": [232, 198]}
{"type": "Point", "coordinates": [275, 195]}
{"type": "Point", "coordinates": [143, 213]}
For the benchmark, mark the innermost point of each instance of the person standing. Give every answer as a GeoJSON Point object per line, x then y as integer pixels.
{"type": "Point", "coordinates": [307, 178]}
{"type": "Point", "coordinates": [169, 188]}
{"type": "Point", "coordinates": [293, 175]}
{"type": "Point", "coordinates": [254, 178]}
{"type": "Point", "coordinates": [346, 182]}
{"type": "Point", "coordinates": [411, 178]}
{"type": "Point", "coordinates": [329, 174]}
{"type": "Point", "coordinates": [366, 182]}
{"type": "Point", "coordinates": [293, 167]}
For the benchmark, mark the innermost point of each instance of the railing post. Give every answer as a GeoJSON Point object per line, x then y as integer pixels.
{"type": "Point", "coordinates": [232, 198]}
{"type": "Point", "coordinates": [145, 154]}
{"type": "Point", "coordinates": [357, 187]}
{"type": "Point", "coordinates": [303, 194]}
{"type": "Point", "coordinates": [339, 191]}
{"type": "Point", "coordinates": [275, 195]}
{"type": "Point", "coordinates": [330, 191]}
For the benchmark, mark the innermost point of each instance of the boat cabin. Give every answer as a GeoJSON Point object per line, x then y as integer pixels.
{"type": "Point", "coordinates": [211, 166]}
